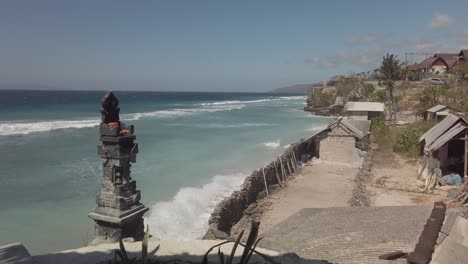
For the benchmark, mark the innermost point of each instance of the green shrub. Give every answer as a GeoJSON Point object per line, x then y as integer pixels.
{"type": "Point", "coordinates": [407, 139]}
{"type": "Point", "coordinates": [323, 99]}
{"type": "Point", "coordinates": [379, 96]}
{"type": "Point", "coordinates": [367, 90]}
{"type": "Point", "coordinates": [249, 248]}
{"type": "Point", "coordinates": [122, 252]}
{"type": "Point", "coordinates": [380, 130]}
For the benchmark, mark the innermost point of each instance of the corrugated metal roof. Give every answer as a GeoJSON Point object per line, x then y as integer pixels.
{"type": "Point", "coordinates": [436, 131]}
{"type": "Point", "coordinates": [365, 106]}
{"type": "Point", "coordinates": [362, 125]}
{"type": "Point", "coordinates": [446, 137]}
{"type": "Point", "coordinates": [436, 108]}
{"type": "Point", "coordinates": [343, 123]}
{"type": "Point", "coordinates": [318, 132]}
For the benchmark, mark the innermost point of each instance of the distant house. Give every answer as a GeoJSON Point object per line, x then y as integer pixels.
{"type": "Point", "coordinates": [437, 112]}
{"type": "Point", "coordinates": [445, 145]}
{"type": "Point", "coordinates": [449, 58]}
{"type": "Point", "coordinates": [439, 63]}
{"type": "Point", "coordinates": [432, 65]}
{"type": "Point", "coordinates": [463, 55]}
{"type": "Point", "coordinates": [364, 110]}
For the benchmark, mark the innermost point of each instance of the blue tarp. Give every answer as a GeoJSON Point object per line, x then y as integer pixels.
{"type": "Point", "coordinates": [451, 179]}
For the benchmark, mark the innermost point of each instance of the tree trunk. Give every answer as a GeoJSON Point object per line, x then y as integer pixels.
{"type": "Point", "coordinates": [392, 100]}
{"type": "Point", "coordinates": [391, 103]}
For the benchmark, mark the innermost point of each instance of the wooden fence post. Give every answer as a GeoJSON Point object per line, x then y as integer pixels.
{"type": "Point", "coordinates": [283, 171]}
{"type": "Point", "coordinates": [264, 180]}
{"type": "Point", "coordinates": [295, 160]}
{"type": "Point", "coordinates": [276, 173]}
{"type": "Point", "coordinates": [289, 167]}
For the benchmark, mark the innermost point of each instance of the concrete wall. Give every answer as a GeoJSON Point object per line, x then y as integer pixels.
{"type": "Point", "coordinates": [340, 149]}
{"type": "Point", "coordinates": [230, 210]}
{"type": "Point", "coordinates": [359, 115]}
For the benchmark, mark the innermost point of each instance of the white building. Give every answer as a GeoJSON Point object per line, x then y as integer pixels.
{"type": "Point", "coordinates": [364, 110]}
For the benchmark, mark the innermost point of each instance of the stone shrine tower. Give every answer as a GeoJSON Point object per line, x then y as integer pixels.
{"type": "Point", "coordinates": [119, 213]}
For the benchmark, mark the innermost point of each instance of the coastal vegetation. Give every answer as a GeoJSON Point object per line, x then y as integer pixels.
{"type": "Point", "coordinates": [406, 139]}
{"type": "Point", "coordinates": [249, 247]}
{"type": "Point", "coordinates": [122, 252]}
{"type": "Point", "coordinates": [249, 250]}
{"type": "Point", "coordinates": [389, 72]}
{"type": "Point", "coordinates": [403, 140]}
{"type": "Point", "coordinates": [321, 99]}
{"type": "Point", "coordinates": [380, 131]}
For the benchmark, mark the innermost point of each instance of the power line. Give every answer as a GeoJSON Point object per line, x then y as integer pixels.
{"type": "Point", "coordinates": [411, 54]}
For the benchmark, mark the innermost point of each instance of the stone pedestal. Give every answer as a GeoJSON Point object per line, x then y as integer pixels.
{"type": "Point", "coordinates": [119, 213]}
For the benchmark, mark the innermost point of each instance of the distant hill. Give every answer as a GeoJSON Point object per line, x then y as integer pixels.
{"type": "Point", "coordinates": [298, 88]}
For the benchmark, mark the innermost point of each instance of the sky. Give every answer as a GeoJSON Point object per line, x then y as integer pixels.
{"type": "Point", "coordinates": [214, 45]}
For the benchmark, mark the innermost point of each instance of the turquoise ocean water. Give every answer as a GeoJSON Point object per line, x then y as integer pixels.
{"type": "Point", "coordinates": [195, 149]}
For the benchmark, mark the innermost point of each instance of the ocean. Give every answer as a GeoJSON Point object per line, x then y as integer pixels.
{"type": "Point", "coordinates": [195, 149]}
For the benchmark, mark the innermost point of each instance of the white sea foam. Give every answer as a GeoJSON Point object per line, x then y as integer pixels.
{"type": "Point", "coordinates": [187, 111]}
{"type": "Point", "coordinates": [30, 127]}
{"type": "Point", "coordinates": [296, 97]}
{"type": "Point", "coordinates": [273, 144]}
{"type": "Point", "coordinates": [25, 127]}
{"type": "Point", "coordinates": [238, 102]}
{"type": "Point", "coordinates": [221, 125]}
{"type": "Point", "coordinates": [185, 217]}
{"type": "Point", "coordinates": [241, 125]}
{"type": "Point", "coordinates": [317, 128]}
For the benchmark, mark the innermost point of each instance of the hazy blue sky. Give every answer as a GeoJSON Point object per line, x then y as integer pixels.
{"type": "Point", "coordinates": [214, 45]}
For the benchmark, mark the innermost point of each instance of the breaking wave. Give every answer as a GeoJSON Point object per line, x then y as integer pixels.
{"type": "Point", "coordinates": [317, 128]}
{"type": "Point", "coordinates": [220, 125]}
{"type": "Point", "coordinates": [296, 97]}
{"type": "Point", "coordinates": [234, 102]}
{"type": "Point", "coordinates": [183, 112]}
{"type": "Point", "coordinates": [185, 217]}
{"type": "Point", "coordinates": [241, 125]}
{"type": "Point", "coordinates": [238, 102]}
{"type": "Point", "coordinates": [7, 129]}
{"type": "Point", "coordinates": [23, 128]}
{"type": "Point", "coordinates": [273, 144]}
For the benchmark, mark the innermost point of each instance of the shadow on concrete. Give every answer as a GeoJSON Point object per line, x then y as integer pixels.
{"type": "Point", "coordinates": [108, 257]}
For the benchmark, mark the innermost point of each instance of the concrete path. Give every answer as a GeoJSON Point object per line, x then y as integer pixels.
{"type": "Point", "coordinates": [349, 235]}
{"type": "Point", "coordinates": [319, 185]}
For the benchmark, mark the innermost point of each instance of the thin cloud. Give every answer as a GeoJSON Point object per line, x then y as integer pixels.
{"type": "Point", "coordinates": [440, 20]}
{"type": "Point", "coordinates": [363, 40]}
{"type": "Point", "coordinates": [361, 59]}
{"type": "Point", "coordinates": [461, 35]}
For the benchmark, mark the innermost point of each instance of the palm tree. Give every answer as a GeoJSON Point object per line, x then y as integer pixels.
{"type": "Point", "coordinates": [390, 71]}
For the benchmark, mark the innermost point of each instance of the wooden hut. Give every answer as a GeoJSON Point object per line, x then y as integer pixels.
{"type": "Point", "coordinates": [446, 145]}
{"type": "Point", "coordinates": [345, 140]}
{"type": "Point", "coordinates": [437, 112]}
{"type": "Point", "coordinates": [364, 110]}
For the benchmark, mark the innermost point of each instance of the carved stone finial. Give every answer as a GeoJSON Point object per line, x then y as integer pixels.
{"type": "Point", "coordinates": [110, 108]}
